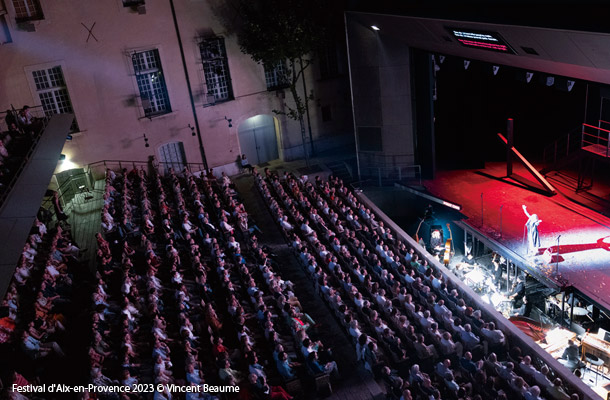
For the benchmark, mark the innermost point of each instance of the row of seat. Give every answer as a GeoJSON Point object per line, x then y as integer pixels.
{"type": "Point", "coordinates": [346, 234]}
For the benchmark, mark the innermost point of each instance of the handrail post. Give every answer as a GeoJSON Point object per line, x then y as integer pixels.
{"type": "Point", "coordinates": [482, 212]}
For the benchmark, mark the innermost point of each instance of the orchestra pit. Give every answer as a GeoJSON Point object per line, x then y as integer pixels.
{"type": "Point", "coordinates": [406, 201]}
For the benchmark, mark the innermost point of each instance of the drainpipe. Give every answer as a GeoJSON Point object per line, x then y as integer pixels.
{"type": "Point", "coordinates": [188, 85]}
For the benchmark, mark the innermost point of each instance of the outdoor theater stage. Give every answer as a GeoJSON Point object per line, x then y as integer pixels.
{"type": "Point", "coordinates": [492, 203]}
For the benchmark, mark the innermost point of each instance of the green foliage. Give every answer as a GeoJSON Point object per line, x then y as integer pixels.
{"type": "Point", "coordinates": [274, 31]}
{"type": "Point", "coordinates": [280, 31]}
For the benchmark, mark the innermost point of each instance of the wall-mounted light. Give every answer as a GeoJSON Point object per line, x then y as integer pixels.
{"type": "Point", "coordinates": [229, 120]}
{"type": "Point", "coordinates": [146, 141]}
{"type": "Point", "coordinates": [375, 28]}
{"type": "Point", "coordinates": [192, 130]}
{"type": "Point", "coordinates": [466, 64]}
{"type": "Point", "coordinates": [495, 69]}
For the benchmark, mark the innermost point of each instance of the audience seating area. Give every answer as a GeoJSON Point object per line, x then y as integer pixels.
{"type": "Point", "coordinates": [408, 326]}
{"type": "Point", "coordinates": [40, 310]}
{"type": "Point", "coordinates": [184, 294]}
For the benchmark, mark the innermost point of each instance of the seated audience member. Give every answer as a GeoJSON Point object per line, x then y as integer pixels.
{"type": "Point", "coordinates": [518, 385]}
{"type": "Point", "coordinates": [245, 164]}
{"type": "Point", "coordinates": [494, 336]}
{"type": "Point", "coordinates": [226, 372]}
{"type": "Point", "coordinates": [285, 366]}
{"type": "Point", "coordinates": [317, 368]}
{"type": "Point", "coordinates": [526, 367]}
{"type": "Point", "coordinates": [506, 372]}
{"type": "Point", "coordinates": [541, 377]}
{"type": "Point", "coordinates": [556, 391]}
{"type": "Point", "coordinates": [533, 393]}
{"type": "Point", "coordinates": [467, 363]}
{"type": "Point", "coordinates": [37, 349]}
{"type": "Point", "coordinates": [260, 390]}
{"type": "Point", "coordinates": [469, 339]}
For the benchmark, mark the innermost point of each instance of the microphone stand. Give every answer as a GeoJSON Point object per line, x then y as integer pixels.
{"type": "Point", "coordinates": [557, 261]}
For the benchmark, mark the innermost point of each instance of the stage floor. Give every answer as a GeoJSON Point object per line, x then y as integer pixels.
{"type": "Point", "coordinates": [492, 204]}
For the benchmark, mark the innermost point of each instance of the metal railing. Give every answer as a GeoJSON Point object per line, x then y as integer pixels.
{"type": "Point", "coordinates": [98, 168]}
{"type": "Point", "coordinates": [36, 112]}
{"type": "Point", "coordinates": [68, 190]}
{"type": "Point", "coordinates": [387, 176]}
{"type": "Point", "coordinates": [597, 137]}
{"type": "Point", "coordinates": [563, 147]}
{"type": "Point", "coordinates": [375, 159]}
{"type": "Point", "coordinates": [386, 169]}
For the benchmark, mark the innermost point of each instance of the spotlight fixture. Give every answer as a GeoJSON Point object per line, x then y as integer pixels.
{"type": "Point", "coordinates": [570, 85]}
{"type": "Point", "coordinates": [550, 80]}
{"type": "Point", "coordinates": [62, 157]}
{"type": "Point", "coordinates": [528, 76]}
{"type": "Point", "coordinates": [441, 59]}
{"type": "Point", "coordinates": [192, 130]}
{"type": "Point", "coordinates": [229, 120]}
{"type": "Point", "coordinates": [69, 137]}
{"type": "Point", "coordinates": [495, 69]}
{"type": "Point", "coordinates": [146, 141]}
{"type": "Point", "coordinates": [466, 64]}
{"type": "Point", "coordinates": [375, 28]}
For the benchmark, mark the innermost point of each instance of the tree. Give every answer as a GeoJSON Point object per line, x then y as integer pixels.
{"type": "Point", "coordinates": [273, 32]}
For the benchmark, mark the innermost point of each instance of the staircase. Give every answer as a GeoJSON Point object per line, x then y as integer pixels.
{"type": "Point", "coordinates": [342, 169]}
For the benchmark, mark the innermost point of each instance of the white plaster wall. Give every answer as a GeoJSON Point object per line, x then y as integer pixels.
{"type": "Point", "coordinates": [103, 90]}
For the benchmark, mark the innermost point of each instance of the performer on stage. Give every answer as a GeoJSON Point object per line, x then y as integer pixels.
{"type": "Point", "coordinates": [533, 239]}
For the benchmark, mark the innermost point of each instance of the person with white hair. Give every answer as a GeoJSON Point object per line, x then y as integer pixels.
{"type": "Point", "coordinates": [533, 238]}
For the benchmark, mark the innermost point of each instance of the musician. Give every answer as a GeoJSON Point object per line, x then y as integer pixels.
{"type": "Point", "coordinates": [533, 239]}
{"type": "Point", "coordinates": [497, 269]}
{"type": "Point", "coordinates": [571, 357]}
{"type": "Point", "coordinates": [571, 352]}
{"type": "Point", "coordinates": [525, 310]}
{"type": "Point", "coordinates": [517, 292]}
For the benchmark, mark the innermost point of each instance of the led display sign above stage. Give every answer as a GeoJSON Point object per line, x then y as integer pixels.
{"type": "Point", "coordinates": [481, 40]}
